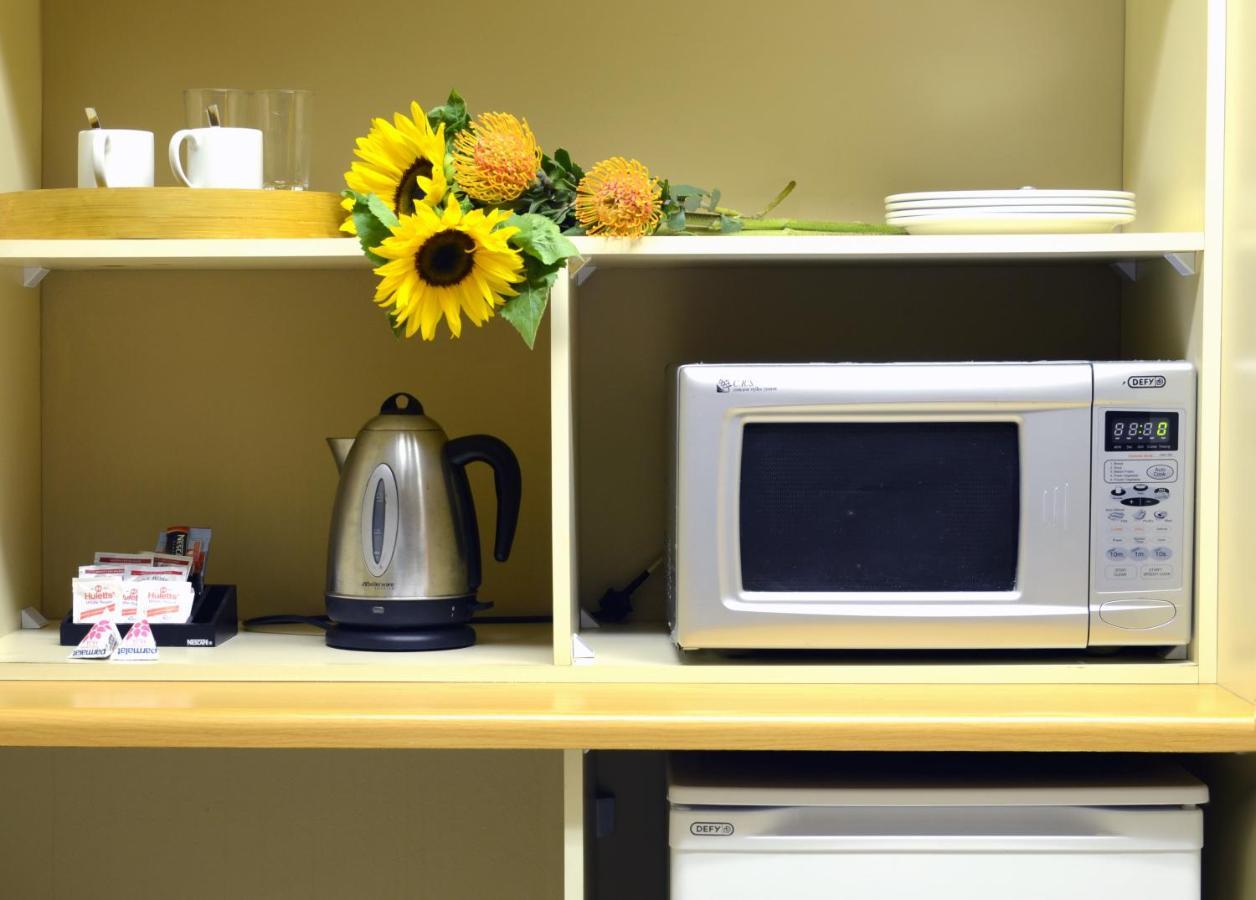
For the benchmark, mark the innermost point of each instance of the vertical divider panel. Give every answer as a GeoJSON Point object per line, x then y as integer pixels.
{"type": "Point", "coordinates": [563, 464]}
{"type": "Point", "coordinates": [575, 848]}
{"type": "Point", "coordinates": [1237, 539]}
{"type": "Point", "coordinates": [21, 95]}
{"type": "Point", "coordinates": [1208, 420]}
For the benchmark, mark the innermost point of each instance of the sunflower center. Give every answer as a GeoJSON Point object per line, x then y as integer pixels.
{"type": "Point", "coordinates": [445, 258]}
{"type": "Point", "coordinates": [408, 190]}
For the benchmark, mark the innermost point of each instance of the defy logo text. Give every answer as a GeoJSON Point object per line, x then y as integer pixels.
{"type": "Point", "coordinates": [719, 829]}
{"type": "Point", "coordinates": [1146, 381]}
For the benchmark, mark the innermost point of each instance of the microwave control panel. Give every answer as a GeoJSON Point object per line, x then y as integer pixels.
{"type": "Point", "coordinates": [1141, 509]}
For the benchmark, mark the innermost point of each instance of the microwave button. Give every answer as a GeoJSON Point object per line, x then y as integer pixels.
{"type": "Point", "coordinates": [1140, 487]}
{"type": "Point", "coordinates": [1139, 501]}
{"type": "Point", "coordinates": [1137, 614]}
{"type": "Point", "coordinates": [1162, 514]}
{"type": "Point", "coordinates": [1161, 472]}
{"type": "Point", "coordinates": [1138, 553]}
{"type": "Point", "coordinates": [1116, 554]}
{"type": "Point", "coordinates": [1161, 492]}
{"type": "Point", "coordinates": [1157, 572]}
{"type": "Point", "coordinates": [1118, 492]}
{"type": "Point", "coordinates": [1163, 553]}
{"type": "Point", "coordinates": [1121, 573]}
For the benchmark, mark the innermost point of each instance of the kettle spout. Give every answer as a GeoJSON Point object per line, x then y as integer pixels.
{"type": "Point", "coordinates": [340, 448]}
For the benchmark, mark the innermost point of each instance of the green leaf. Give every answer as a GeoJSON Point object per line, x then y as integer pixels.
{"type": "Point", "coordinates": [371, 217]}
{"type": "Point", "coordinates": [453, 114]}
{"type": "Point", "coordinates": [382, 211]}
{"type": "Point", "coordinates": [525, 311]}
{"type": "Point", "coordinates": [540, 238]}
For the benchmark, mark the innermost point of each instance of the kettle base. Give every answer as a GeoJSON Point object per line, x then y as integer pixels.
{"type": "Point", "coordinates": [356, 637]}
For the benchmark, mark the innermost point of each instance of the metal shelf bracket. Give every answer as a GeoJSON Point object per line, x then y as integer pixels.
{"type": "Point", "coordinates": [1127, 268]}
{"type": "Point", "coordinates": [1185, 264]}
{"type": "Point", "coordinates": [32, 275]}
{"type": "Point", "coordinates": [580, 268]}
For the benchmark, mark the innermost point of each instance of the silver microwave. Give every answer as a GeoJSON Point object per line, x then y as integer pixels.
{"type": "Point", "coordinates": [977, 506]}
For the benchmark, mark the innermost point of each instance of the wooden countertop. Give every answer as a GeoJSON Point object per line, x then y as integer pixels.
{"type": "Point", "coordinates": [1162, 718]}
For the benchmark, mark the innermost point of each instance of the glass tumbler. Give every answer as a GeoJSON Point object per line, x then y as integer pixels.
{"type": "Point", "coordinates": [284, 118]}
{"type": "Point", "coordinates": [234, 107]}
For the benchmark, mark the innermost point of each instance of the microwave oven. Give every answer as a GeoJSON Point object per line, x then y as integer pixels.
{"type": "Point", "coordinates": [931, 506]}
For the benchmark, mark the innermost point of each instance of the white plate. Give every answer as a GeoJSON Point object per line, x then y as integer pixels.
{"type": "Point", "coordinates": [1018, 201]}
{"type": "Point", "coordinates": [1023, 195]}
{"type": "Point", "coordinates": [1004, 224]}
{"type": "Point", "coordinates": [979, 211]}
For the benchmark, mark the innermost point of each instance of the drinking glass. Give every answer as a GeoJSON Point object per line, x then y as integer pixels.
{"type": "Point", "coordinates": [234, 108]}
{"type": "Point", "coordinates": [284, 119]}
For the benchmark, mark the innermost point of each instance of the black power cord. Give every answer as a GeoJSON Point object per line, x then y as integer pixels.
{"type": "Point", "coordinates": [616, 604]}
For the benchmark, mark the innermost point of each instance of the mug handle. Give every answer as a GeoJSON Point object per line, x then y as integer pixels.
{"type": "Point", "coordinates": [176, 166]}
{"type": "Point", "coordinates": [100, 149]}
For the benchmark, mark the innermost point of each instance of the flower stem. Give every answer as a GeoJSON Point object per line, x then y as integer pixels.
{"type": "Point", "coordinates": [817, 226]}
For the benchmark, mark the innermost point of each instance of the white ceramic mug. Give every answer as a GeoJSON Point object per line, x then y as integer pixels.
{"type": "Point", "coordinates": [218, 157]}
{"type": "Point", "coordinates": [115, 157]}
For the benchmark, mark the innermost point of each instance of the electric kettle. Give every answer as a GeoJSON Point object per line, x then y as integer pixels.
{"type": "Point", "coordinates": [403, 561]}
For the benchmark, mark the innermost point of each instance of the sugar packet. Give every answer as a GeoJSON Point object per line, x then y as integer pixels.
{"type": "Point", "coordinates": [96, 599]}
{"type": "Point", "coordinates": [104, 573]}
{"type": "Point", "coordinates": [156, 573]}
{"type": "Point", "coordinates": [166, 601]}
{"type": "Point", "coordinates": [129, 603]}
{"type": "Point", "coordinates": [125, 559]}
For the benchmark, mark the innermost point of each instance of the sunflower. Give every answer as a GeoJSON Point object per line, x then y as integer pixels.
{"type": "Point", "coordinates": [496, 157]}
{"type": "Point", "coordinates": [618, 197]}
{"type": "Point", "coordinates": [402, 163]}
{"type": "Point", "coordinates": [447, 263]}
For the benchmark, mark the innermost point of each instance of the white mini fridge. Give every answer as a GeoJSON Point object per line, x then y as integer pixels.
{"type": "Point", "coordinates": [803, 827]}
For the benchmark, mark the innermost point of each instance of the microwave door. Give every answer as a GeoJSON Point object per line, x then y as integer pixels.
{"type": "Point", "coordinates": [959, 522]}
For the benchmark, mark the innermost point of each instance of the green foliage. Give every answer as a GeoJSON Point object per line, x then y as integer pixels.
{"type": "Point", "coordinates": [374, 222]}
{"type": "Point", "coordinates": [553, 193]}
{"type": "Point", "coordinates": [453, 114]}
{"type": "Point", "coordinates": [539, 237]}
{"type": "Point", "coordinates": [526, 310]}
{"type": "Point", "coordinates": [545, 252]}
{"type": "Point", "coordinates": [694, 210]}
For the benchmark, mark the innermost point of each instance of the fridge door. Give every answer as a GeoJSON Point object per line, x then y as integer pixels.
{"type": "Point", "coordinates": [944, 853]}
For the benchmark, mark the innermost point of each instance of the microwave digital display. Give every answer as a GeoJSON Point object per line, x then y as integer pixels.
{"type": "Point", "coordinates": [880, 506]}
{"type": "Point", "coordinates": [1140, 431]}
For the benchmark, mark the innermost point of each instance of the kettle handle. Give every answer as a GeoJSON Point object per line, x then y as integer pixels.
{"type": "Point", "coordinates": [506, 479]}
{"type": "Point", "coordinates": [390, 407]}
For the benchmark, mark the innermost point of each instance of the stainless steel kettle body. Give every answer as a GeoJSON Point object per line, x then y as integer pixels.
{"type": "Point", "coordinates": [404, 551]}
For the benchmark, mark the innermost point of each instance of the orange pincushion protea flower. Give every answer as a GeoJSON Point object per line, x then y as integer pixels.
{"type": "Point", "coordinates": [496, 158]}
{"type": "Point", "coordinates": [618, 197]}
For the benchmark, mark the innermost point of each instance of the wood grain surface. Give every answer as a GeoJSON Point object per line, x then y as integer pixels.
{"type": "Point", "coordinates": [1160, 718]}
{"type": "Point", "coordinates": [102, 213]}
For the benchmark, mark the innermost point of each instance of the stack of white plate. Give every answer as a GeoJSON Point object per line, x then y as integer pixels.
{"type": "Point", "coordinates": [1026, 211]}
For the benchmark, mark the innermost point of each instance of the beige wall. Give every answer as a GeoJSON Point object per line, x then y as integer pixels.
{"type": "Point", "coordinates": [854, 100]}
{"type": "Point", "coordinates": [1163, 149]}
{"type": "Point", "coordinates": [19, 320]}
{"type": "Point", "coordinates": [280, 825]}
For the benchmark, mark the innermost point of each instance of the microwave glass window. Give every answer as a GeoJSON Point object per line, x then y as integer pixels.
{"type": "Point", "coordinates": [1141, 431]}
{"type": "Point", "coordinates": [863, 506]}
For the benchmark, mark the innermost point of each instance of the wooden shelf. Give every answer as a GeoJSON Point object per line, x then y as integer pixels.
{"type": "Point", "coordinates": [343, 253]}
{"type": "Point", "coordinates": [294, 653]}
{"type": "Point", "coordinates": [1154, 718]}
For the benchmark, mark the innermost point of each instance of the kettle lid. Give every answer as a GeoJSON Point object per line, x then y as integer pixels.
{"type": "Point", "coordinates": [401, 412]}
